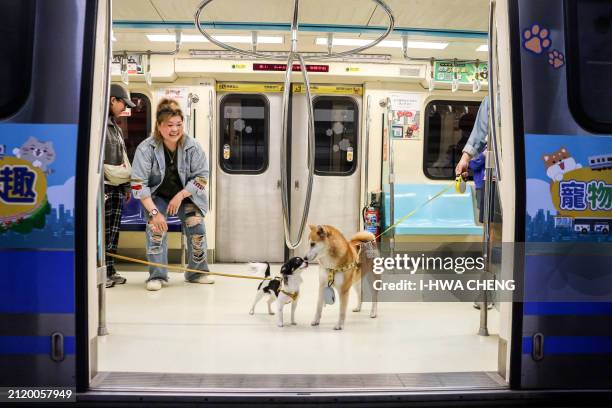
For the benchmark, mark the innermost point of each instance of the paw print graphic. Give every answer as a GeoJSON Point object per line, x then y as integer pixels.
{"type": "Point", "coordinates": [556, 59]}
{"type": "Point", "coordinates": [536, 39]}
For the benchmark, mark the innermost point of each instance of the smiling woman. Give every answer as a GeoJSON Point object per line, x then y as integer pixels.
{"type": "Point", "coordinates": [169, 178]}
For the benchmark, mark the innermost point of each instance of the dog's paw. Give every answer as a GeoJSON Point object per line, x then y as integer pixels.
{"type": "Point", "coordinates": [373, 315]}
{"type": "Point", "coordinates": [251, 312]}
{"type": "Point", "coordinates": [271, 313]}
{"type": "Point", "coordinates": [357, 309]}
{"type": "Point", "coordinates": [279, 324]}
{"type": "Point", "coordinates": [337, 327]}
{"type": "Point", "coordinates": [293, 323]}
{"type": "Point", "coordinates": [314, 323]}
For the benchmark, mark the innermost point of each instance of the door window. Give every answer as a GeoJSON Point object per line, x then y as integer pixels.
{"type": "Point", "coordinates": [244, 129]}
{"type": "Point", "coordinates": [589, 63]}
{"type": "Point", "coordinates": [336, 131]}
{"type": "Point", "coordinates": [17, 28]}
{"type": "Point", "coordinates": [448, 125]}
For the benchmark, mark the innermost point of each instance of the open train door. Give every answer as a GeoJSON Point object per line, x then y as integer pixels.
{"type": "Point", "coordinates": [562, 88]}
{"type": "Point", "coordinates": [45, 116]}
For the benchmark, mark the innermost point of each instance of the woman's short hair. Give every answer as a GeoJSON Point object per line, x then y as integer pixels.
{"type": "Point", "coordinates": [166, 109]}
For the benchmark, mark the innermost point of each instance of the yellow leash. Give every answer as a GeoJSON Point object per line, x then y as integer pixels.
{"type": "Point", "coordinates": [182, 268]}
{"type": "Point", "coordinates": [459, 189]}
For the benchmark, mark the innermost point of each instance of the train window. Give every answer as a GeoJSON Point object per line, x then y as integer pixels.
{"type": "Point", "coordinates": [243, 147]}
{"type": "Point", "coordinates": [335, 120]}
{"type": "Point", "coordinates": [137, 126]}
{"type": "Point", "coordinates": [17, 32]}
{"type": "Point", "coordinates": [589, 63]}
{"type": "Point", "coordinates": [448, 125]}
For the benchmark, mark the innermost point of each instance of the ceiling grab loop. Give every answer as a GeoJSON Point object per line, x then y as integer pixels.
{"type": "Point", "coordinates": [290, 57]}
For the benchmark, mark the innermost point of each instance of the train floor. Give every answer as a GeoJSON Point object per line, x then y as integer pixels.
{"type": "Point", "coordinates": [206, 329]}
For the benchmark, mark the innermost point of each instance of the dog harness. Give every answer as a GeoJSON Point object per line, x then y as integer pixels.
{"type": "Point", "coordinates": [293, 296]}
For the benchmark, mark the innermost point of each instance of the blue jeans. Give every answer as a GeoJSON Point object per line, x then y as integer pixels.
{"type": "Point", "coordinates": [157, 242]}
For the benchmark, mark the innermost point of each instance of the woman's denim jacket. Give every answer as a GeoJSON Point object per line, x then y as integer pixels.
{"type": "Point", "coordinates": [149, 167]}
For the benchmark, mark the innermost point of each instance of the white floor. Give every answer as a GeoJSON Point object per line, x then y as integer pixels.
{"type": "Point", "coordinates": [189, 328]}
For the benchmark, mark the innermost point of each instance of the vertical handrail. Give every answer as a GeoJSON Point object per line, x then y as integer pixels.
{"type": "Point", "coordinates": [211, 138]}
{"type": "Point", "coordinates": [391, 175]}
{"type": "Point", "coordinates": [491, 143]}
{"type": "Point", "coordinates": [367, 150]}
{"type": "Point", "coordinates": [492, 91]}
{"type": "Point", "coordinates": [102, 330]}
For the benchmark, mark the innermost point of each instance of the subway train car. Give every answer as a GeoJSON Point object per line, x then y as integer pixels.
{"type": "Point", "coordinates": [313, 114]}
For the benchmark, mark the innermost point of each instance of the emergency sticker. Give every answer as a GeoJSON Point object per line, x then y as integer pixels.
{"type": "Point", "coordinates": [349, 154]}
{"type": "Point", "coordinates": [226, 152]}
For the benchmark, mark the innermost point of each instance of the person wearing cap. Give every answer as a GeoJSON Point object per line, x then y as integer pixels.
{"type": "Point", "coordinates": [115, 188]}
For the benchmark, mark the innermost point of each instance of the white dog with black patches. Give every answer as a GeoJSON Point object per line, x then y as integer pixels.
{"type": "Point", "coordinates": [284, 288]}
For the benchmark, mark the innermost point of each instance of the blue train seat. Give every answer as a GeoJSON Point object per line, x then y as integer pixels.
{"type": "Point", "coordinates": [449, 214]}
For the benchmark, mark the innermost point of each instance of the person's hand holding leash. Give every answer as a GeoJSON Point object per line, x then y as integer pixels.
{"type": "Point", "coordinates": [462, 166]}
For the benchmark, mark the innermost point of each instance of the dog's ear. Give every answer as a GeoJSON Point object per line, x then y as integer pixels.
{"type": "Point", "coordinates": [312, 227]}
{"type": "Point", "coordinates": [321, 231]}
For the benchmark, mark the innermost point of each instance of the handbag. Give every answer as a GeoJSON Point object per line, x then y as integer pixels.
{"type": "Point", "coordinates": [118, 174]}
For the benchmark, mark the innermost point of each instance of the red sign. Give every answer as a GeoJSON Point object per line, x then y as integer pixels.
{"type": "Point", "coordinates": [296, 67]}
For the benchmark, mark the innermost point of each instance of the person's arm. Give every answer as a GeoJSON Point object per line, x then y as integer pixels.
{"type": "Point", "coordinates": [196, 184]}
{"type": "Point", "coordinates": [141, 170]}
{"type": "Point", "coordinates": [477, 140]}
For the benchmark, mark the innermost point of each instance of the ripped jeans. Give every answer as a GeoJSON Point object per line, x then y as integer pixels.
{"type": "Point", "coordinates": [157, 243]}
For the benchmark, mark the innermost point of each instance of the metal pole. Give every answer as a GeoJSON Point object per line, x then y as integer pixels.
{"type": "Point", "coordinates": [367, 151]}
{"type": "Point", "coordinates": [391, 177]}
{"type": "Point", "coordinates": [491, 143]}
{"type": "Point", "coordinates": [101, 255]}
{"type": "Point", "coordinates": [101, 263]}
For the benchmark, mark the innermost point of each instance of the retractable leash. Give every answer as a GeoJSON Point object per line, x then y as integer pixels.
{"type": "Point", "coordinates": [459, 185]}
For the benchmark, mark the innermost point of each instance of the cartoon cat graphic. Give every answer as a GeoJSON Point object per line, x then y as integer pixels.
{"type": "Point", "coordinates": [40, 154]}
{"type": "Point", "coordinates": [559, 163]}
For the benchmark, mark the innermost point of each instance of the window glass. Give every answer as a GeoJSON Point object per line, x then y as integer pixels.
{"type": "Point", "coordinates": [448, 125]}
{"type": "Point", "coordinates": [244, 134]}
{"type": "Point", "coordinates": [590, 63]}
{"type": "Point", "coordinates": [17, 33]}
{"type": "Point", "coordinates": [336, 120]}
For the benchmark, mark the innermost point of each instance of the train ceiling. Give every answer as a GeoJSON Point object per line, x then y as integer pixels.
{"type": "Point", "coordinates": [460, 23]}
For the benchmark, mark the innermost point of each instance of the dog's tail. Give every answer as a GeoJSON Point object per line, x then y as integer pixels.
{"type": "Point", "coordinates": [267, 274]}
{"type": "Point", "coordinates": [361, 237]}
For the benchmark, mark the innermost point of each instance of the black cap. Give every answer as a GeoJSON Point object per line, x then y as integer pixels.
{"type": "Point", "coordinates": [119, 92]}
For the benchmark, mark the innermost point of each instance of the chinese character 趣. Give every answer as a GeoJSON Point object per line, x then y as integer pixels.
{"type": "Point", "coordinates": [17, 184]}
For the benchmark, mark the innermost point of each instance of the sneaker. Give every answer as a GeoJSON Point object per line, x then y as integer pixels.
{"type": "Point", "coordinates": [155, 284]}
{"type": "Point", "coordinates": [118, 279]}
{"type": "Point", "coordinates": [109, 283]}
{"type": "Point", "coordinates": [203, 279]}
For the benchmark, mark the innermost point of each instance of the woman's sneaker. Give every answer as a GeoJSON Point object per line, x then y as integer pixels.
{"type": "Point", "coordinates": [155, 284]}
{"type": "Point", "coordinates": [203, 279]}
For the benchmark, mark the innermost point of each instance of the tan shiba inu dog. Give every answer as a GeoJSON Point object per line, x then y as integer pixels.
{"type": "Point", "coordinates": [343, 264]}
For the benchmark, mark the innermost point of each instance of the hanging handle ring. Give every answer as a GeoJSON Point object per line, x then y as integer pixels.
{"type": "Point", "coordinates": [284, 56]}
